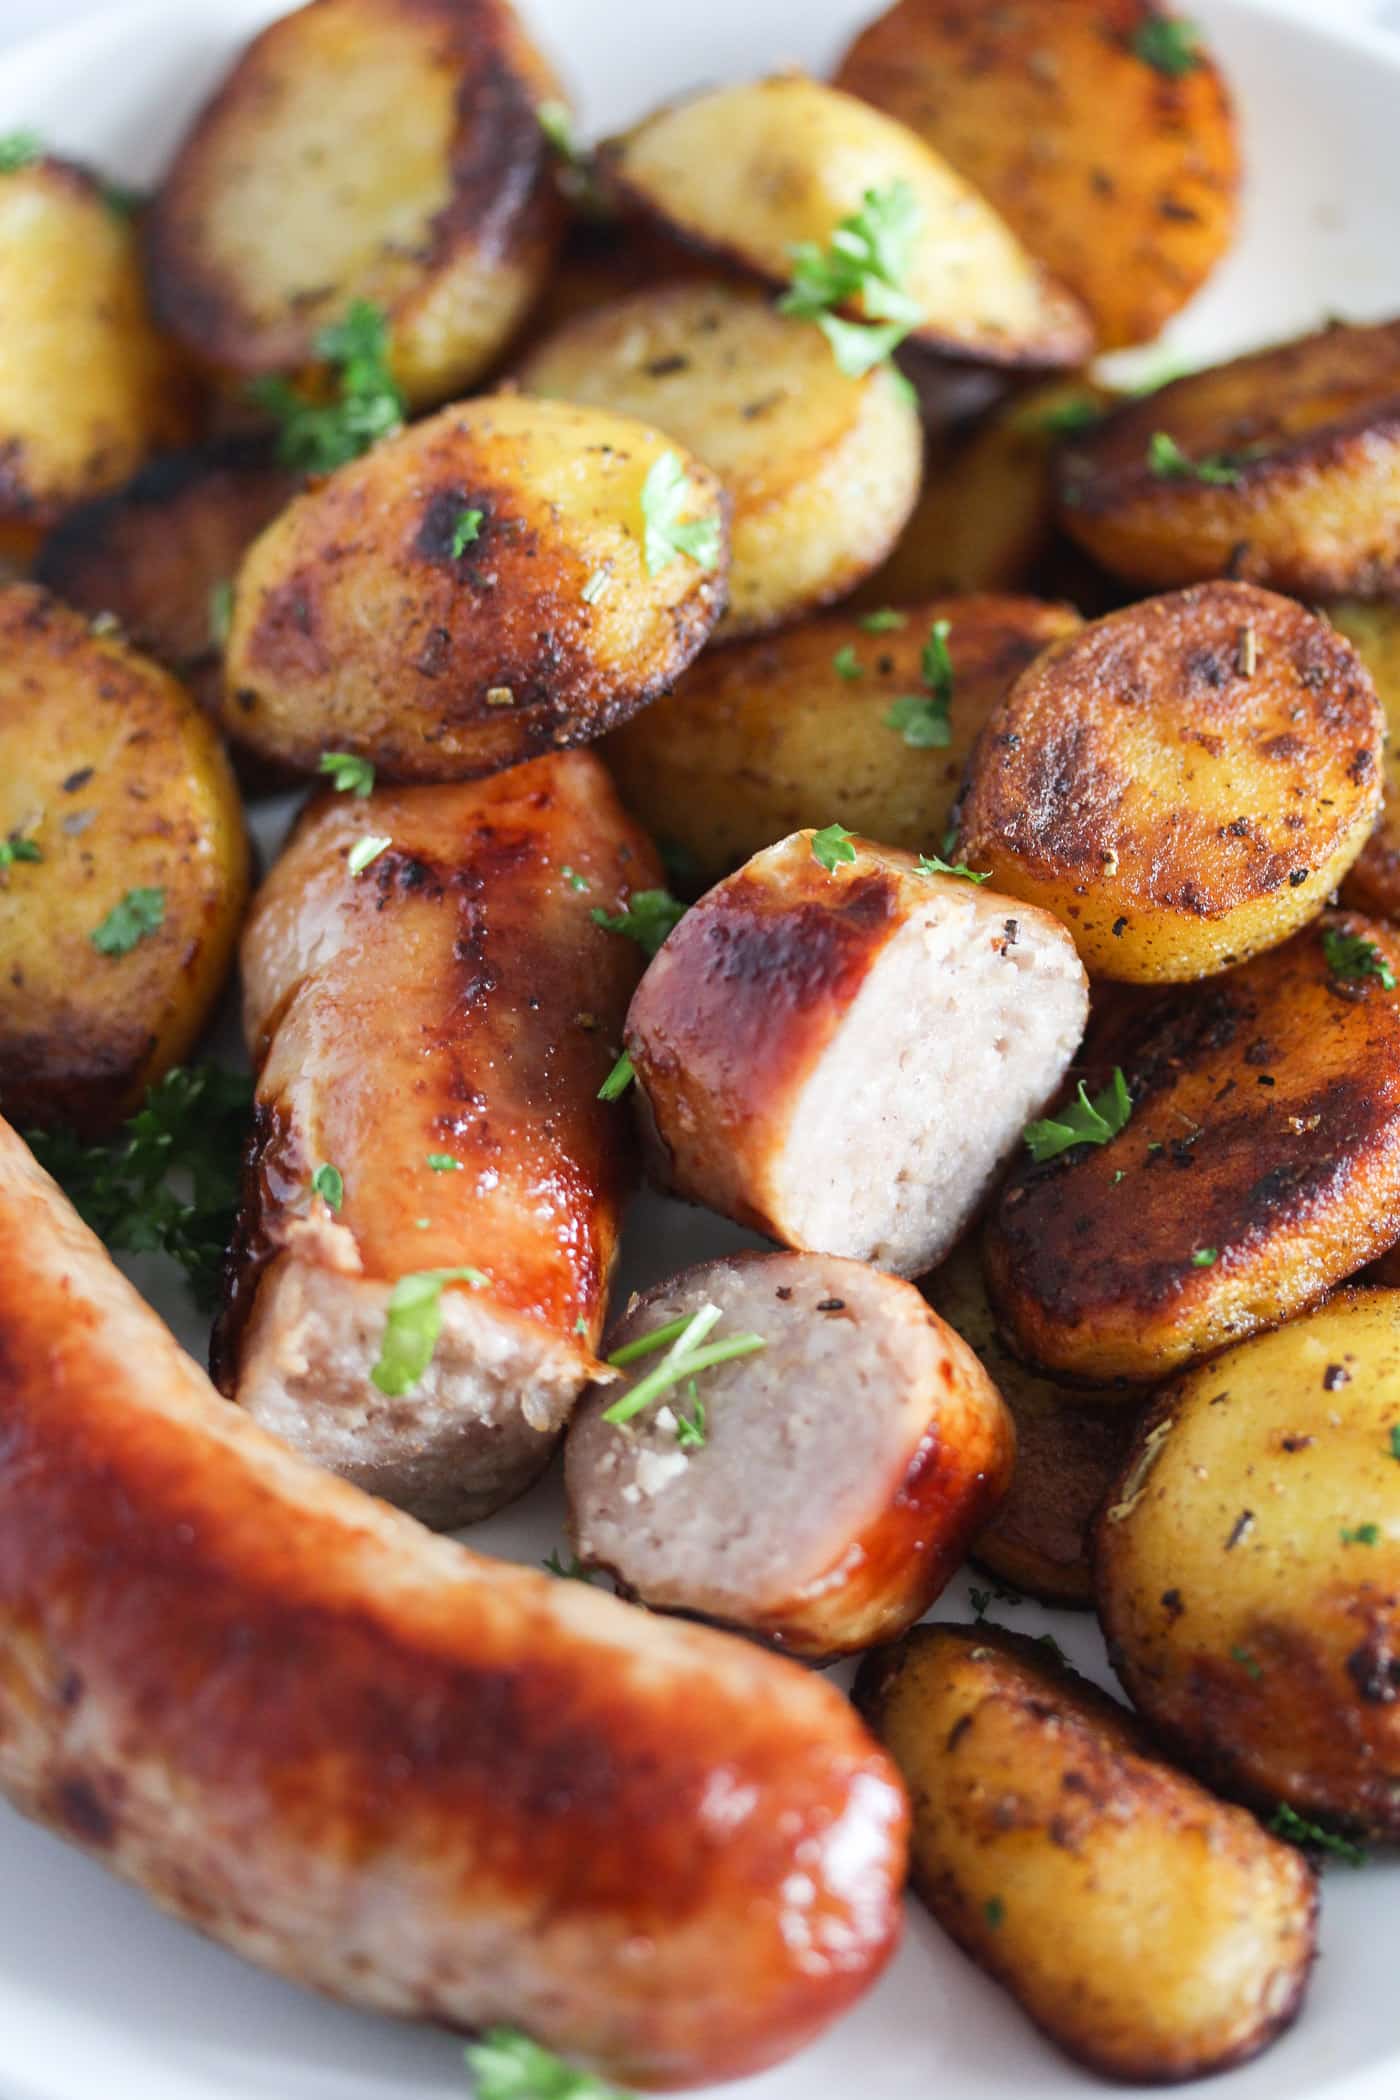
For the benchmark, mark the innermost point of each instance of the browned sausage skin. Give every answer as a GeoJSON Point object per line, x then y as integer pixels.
{"type": "Point", "coordinates": [435, 1029]}
{"type": "Point", "coordinates": [428, 1783]}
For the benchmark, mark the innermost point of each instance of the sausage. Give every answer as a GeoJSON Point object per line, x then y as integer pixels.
{"type": "Point", "coordinates": [845, 1467]}
{"type": "Point", "coordinates": [435, 1029]}
{"type": "Point", "coordinates": [841, 1058]}
{"type": "Point", "coordinates": [428, 1783]}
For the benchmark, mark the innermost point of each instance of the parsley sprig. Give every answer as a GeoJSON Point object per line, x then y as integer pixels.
{"type": "Point", "coordinates": [865, 262]}
{"type": "Point", "coordinates": [832, 845]}
{"type": "Point", "coordinates": [666, 535]}
{"type": "Point", "coordinates": [18, 149]}
{"type": "Point", "coordinates": [349, 775]}
{"type": "Point", "coordinates": [1347, 955]}
{"type": "Point", "coordinates": [318, 436]}
{"type": "Point", "coordinates": [1168, 44]}
{"type": "Point", "coordinates": [934, 864]}
{"type": "Point", "coordinates": [1084, 1122]}
{"type": "Point", "coordinates": [924, 719]}
{"type": "Point", "coordinates": [647, 918]}
{"type": "Point", "coordinates": [18, 847]}
{"type": "Point", "coordinates": [140, 913]}
{"type": "Point", "coordinates": [507, 2065]}
{"type": "Point", "coordinates": [688, 1352]}
{"type": "Point", "coordinates": [1299, 1830]}
{"type": "Point", "coordinates": [413, 1325]}
{"type": "Point", "coordinates": [1168, 462]}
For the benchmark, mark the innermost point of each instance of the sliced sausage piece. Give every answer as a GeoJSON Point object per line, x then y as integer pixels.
{"type": "Point", "coordinates": [435, 1030]}
{"type": "Point", "coordinates": [842, 1057]}
{"type": "Point", "coordinates": [819, 1491]}
{"type": "Point", "coordinates": [428, 1783]}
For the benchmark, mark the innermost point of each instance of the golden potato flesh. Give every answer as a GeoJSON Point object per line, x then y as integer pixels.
{"type": "Point", "coordinates": [1248, 1565]}
{"type": "Point", "coordinates": [379, 150]}
{"type": "Point", "coordinates": [821, 469]}
{"type": "Point", "coordinates": [124, 869]}
{"type": "Point", "coordinates": [1119, 175]}
{"type": "Point", "coordinates": [1070, 1446]}
{"type": "Point", "coordinates": [87, 387]}
{"type": "Point", "coordinates": [1182, 782]}
{"type": "Point", "coordinates": [1373, 629]}
{"type": "Point", "coordinates": [1150, 1930]}
{"type": "Point", "coordinates": [1260, 1165]}
{"type": "Point", "coordinates": [771, 736]}
{"type": "Point", "coordinates": [1282, 467]}
{"type": "Point", "coordinates": [751, 171]}
{"type": "Point", "coordinates": [499, 580]}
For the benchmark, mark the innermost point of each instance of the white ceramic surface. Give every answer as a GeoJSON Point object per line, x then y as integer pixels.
{"type": "Point", "coordinates": [99, 1995]}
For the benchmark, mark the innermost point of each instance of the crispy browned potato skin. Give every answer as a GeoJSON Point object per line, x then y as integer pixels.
{"type": "Point", "coordinates": [1070, 1446]}
{"type": "Point", "coordinates": [1251, 1630]}
{"type": "Point", "coordinates": [355, 627]}
{"type": "Point", "coordinates": [1151, 1931]}
{"type": "Point", "coordinates": [87, 387]}
{"type": "Point", "coordinates": [767, 736]}
{"type": "Point", "coordinates": [454, 253]}
{"type": "Point", "coordinates": [1177, 809]}
{"type": "Point", "coordinates": [384, 1767]}
{"type": "Point", "coordinates": [1373, 629]}
{"type": "Point", "coordinates": [1120, 179]}
{"type": "Point", "coordinates": [1317, 511]}
{"type": "Point", "coordinates": [1265, 1130]}
{"type": "Point", "coordinates": [107, 765]}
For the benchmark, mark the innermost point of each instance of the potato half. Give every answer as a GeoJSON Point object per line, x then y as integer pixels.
{"type": "Point", "coordinates": [1120, 176]}
{"type": "Point", "coordinates": [483, 587]}
{"type": "Point", "coordinates": [1182, 782]}
{"type": "Point", "coordinates": [125, 871]}
{"type": "Point", "coordinates": [1282, 467]}
{"type": "Point", "coordinates": [1373, 629]}
{"type": "Point", "coordinates": [771, 736]}
{"type": "Point", "coordinates": [1248, 1564]}
{"type": "Point", "coordinates": [384, 150]}
{"type": "Point", "coordinates": [748, 172]}
{"type": "Point", "coordinates": [1150, 1930]}
{"type": "Point", "coordinates": [1260, 1166]}
{"type": "Point", "coordinates": [87, 387]}
{"type": "Point", "coordinates": [821, 469]}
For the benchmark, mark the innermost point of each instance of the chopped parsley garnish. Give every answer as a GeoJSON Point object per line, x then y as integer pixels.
{"type": "Point", "coordinates": [367, 849]}
{"type": "Point", "coordinates": [934, 864]}
{"type": "Point", "coordinates": [466, 529]}
{"type": "Point", "coordinates": [665, 493]}
{"type": "Point", "coordinates": [1395, 1440]}
{"type": "Point", "coordinates": [1062, 418]}
{"type": "Point", "coordinates": [13, 849]}
{"type": "Point", "coordinates": [444, 1163]}
{"type": "Point", "coordinates": [329, 1184]}
{"type": "Point", "coordinates": [413, 1326]}
{"type": "Point", "coordinates": [1168, 462]}
{"type": "Point", "coordinates": [1246, 1662]}
{"type": "Point", "coordinates": [1168, 45]}
{"type": "Point", "coordinates": [1205, 1257]}
{"type": "Point", "coordinates": [982, 1600]}
{"type": "Point", "coordinates": [140, 913]}
{"type": "Point", "coordinates": [1347, 955]}
{"type": "Point", "coordinates": [348, 774]}
{"type": "Point", "coordinates": [832, 845]}
{"type": "Point", "coordinates": [618, 1080]}
{"type": "Point", "coordinates": [220, 611]}
{"type": "Point", "coordinates": [866, 260]}
{"type": "Point", "coordinates": [570, 1570]}
{"type": "Point", "coordinates": [578, 174]}
{"type": "Point", "coordinates": [994, 1911]}
{"type": "Point", "coordinates": [318, 436]}
{"type": "Point", "coordinates": [1360, 1534]}
{"type": "Point", "coordinates": [687, 1354]}
{"type": "Point", "coordinates": [922, 719]}
{"type": "Point", "coordinates": [647, 919]}
{"type": "Point", "coordinates": [18, 149]}
{"type": "Point", "coordinates": [507, 2065]}
{"type": "Point", "coordinates": [1298, 1830]}
{"type": "Point", "coordinates": [169, 1183]}
{"type": "Point", "coordinates": [884, 620]}
{"type": "Point", "coordinates": [1084, 1122]}
{"type": "Point", "coordinates": [575, 882]}
{"type": "Point", "coordinates": [690, 1429]}
{"type": "Point", "coordinates": [846, 664]}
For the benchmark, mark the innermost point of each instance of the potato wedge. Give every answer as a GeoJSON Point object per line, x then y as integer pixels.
{"type": "Point", "coordinates": [1182, 782]}
{"type": "Point", "coordinates": [494, 582]}
{"type": "Point", "coordinates": [125, 868]}
{"type": "Point", "coordinates": [774, 735]}
{"type": "Point", "coordinates": [384, 150]}
{"type": "Point", "coordinates": [748, 172]}
{"type": "Point", "coordinates": [1282, 467]}
{"type": "Point", "coordinates": [1260, 1166]}
{"type": "Point", "coordinates": [821, 469]}
{"type": "Point", "coordinates": [1373, 629]}
{"type": "Point", "coordinates": [1151, 1931]}
{"type": "Point", "coordinates": [1120, 176]}
{"type": "Point", "coordinates": [1248, 1565]}
{"type": "Point", "coordinates": [1070, 1447]}
{"type": "Point", "coordinates": [87, 387]}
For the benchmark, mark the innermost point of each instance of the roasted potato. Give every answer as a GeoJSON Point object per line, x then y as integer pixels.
{"type": "Point", "coordinates": [1151, 1931]}
{"type": "Point", "coordinates": [1260, 1165]}
{"type": "Point", "coordinates": [380, 150]}
{"type": "Point", "coordinates": [161, 553]}
{"type": "Point", "coordinates": [821, 469]}
{"type": "Point", "coordinates": [1373, 629]}
{"type": "Point", "coordinates": [770, 736]}
{"type": "Point", "coordinates": [1248, 1565]}
{"type": "Point", "coordinates": [496, 581]}
{"type": "Point", "coordinates": [1070, 1446]}
{"type": "Point", "coordinates": [123, 874]}
{"type": "Point", "coordinates": [87, 387]}
{"type": "Point", "coordinates": [750, 172]}
{"type": "Point", "coordinates": [1282, 467]}
{"type": "Point", "coordinates": [1182, 782]}
{"type": "Point", "coordinates": [1118, 172]}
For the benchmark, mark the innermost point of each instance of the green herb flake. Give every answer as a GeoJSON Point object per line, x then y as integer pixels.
{"type": "Point", "coordinates": [348, 774]}
{"type": "Point", "coordinates": [1205, 1257]}
{"type": "Point", "coordinates": [647, 918]}
{"type": "Point", "coordinates": [618, 1080]}
{"type": "Point", "coordinates": [884, 620]}
{"type": "Point", "coordinates": [570, 1570]}
{"type": "Point", "coordinates": [367, 850]}
{"type": "Point", "coordinates": [19, 149]}
{"type": "Point", "coordinates": [1084, 1122]}
{"type": "Point", "coordinates": [994, 1911]}
{"type": "Point", "coordinates": [413, 1324]}
{"type": "Point", "coordinates": [1168, 44]}
{"type": "Point", "coordinates": [922, 722]}
{"type": "Point", "coordinates": [17, 847]}
{"type": "Point", "coordinates": [866, 261]}
{"type": "Point", "coordinates": [465, 531]}
{"type": "Point", "coordinates": [846, 664]}
{"type": "Point", "coordinates": [1286, 1823]}
{"type": "Point", "coordinates": [1348, 956]}
{"type": "Point", "coordinates": [665, 494]}
{"type": "Point", "coordinates": [220, 612]}
{"type": "Point", "coordinates": [318, 436]}
{"type": "Point", "coordinates": [507, 2065]}
{"type": "Point", "coordinates": [690, 1429]}
{"type": "Point", "coordinates": [1168, 462]}
{"type": "Point", "coordinates": [688, 1353]}
{"type": "Point", "coordinates": [444, 1163]}
{"type": "Point", "coordinates": [934, 864]}
{"type": "Point", "coordinates": [575, 882]}
{"type": "Point", "coordinates": [1395, 1440]}
{"type": "Point", "coordinates": [1246, 1662]}
{"type": "Point", "coordinates": [329, 1184]}
{"type": "Point", "coordinates": [1360, 1534]}
{"type": "Point", "coordinates": [832, 845]}
{"type": "Point", "coordinates": [140, 914]}
{"type": "Point", "coordinates": [1061, 418]}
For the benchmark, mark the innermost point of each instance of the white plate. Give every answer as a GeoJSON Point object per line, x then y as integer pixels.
{"type": "Point", "coordinates": [101, 1996]}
